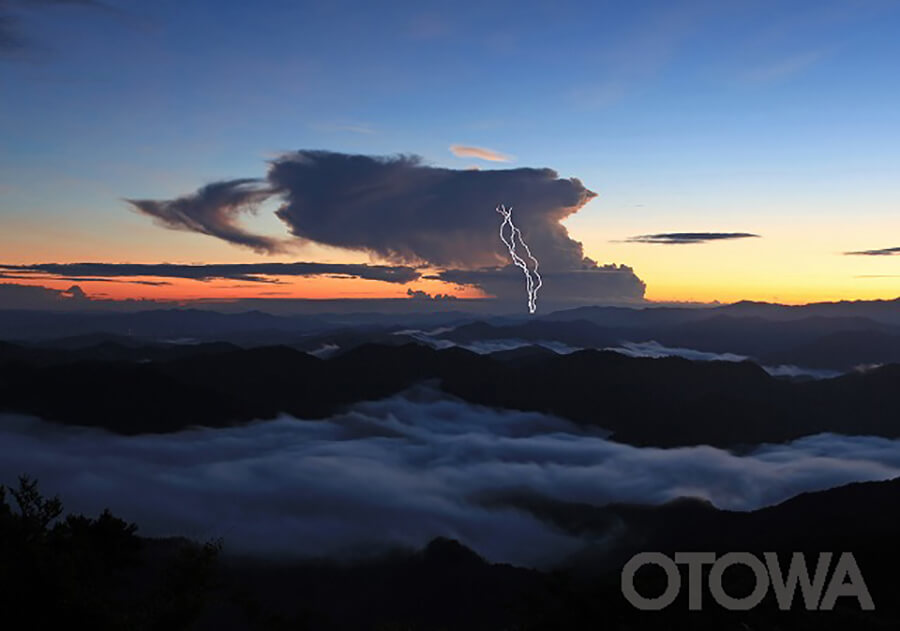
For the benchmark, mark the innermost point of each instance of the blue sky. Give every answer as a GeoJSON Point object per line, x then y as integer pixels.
{"type": "Point", "coordinates": [778, 118]}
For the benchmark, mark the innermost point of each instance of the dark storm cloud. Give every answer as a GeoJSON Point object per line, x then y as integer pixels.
{"type": "Point", "coordinates": [14, 296]}
{"type": "Point", "coordinates": [255, 272]}
{"type": "Point", "coordinates": [416, 294]}
{"type": "Point", "coordinates": [214, 210]}
{"type": "Point", "coordinates": [403, 210]}
{"type": "Point", "coordinates": [612, 283]}
{"type": "Point", "coordinates": [881, 252]}
{"type": "Point", "coordinates": [395, 207]}
{"type": "Point", "coordinates": [674, 238]}
{"type": "Point", "coordinates": [404, 470]}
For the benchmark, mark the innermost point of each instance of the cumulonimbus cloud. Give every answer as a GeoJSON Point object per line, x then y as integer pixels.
{"type": "Point", "coordinates": [615, 283]}
{"type": "Point", "coordinates": [394, 207]}
{"type": "Point", "coordinates": [674, 238]}
{"type": "Point", "coordinates": [253, 272]}
{"type": "Point", "coordinates": [399, 209]}
{"type": "Point", "coordinates": [404, 210]}
{"type": "Point", "coordinates": [483, 153]}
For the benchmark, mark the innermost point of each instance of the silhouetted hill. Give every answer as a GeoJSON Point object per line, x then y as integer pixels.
{"type": "Point", "coordinates": [74, 571]}
{"type": "Point", "coordinates": [705, 330]}
{"type": "Point", "coordinates": [245, 328]}
{"type": "Point", "coordinates": [884, 311]}
{"type": "Point", "coordinates": [627, 317]}
{"type": "Point", "coordinates": [757, 330]}
{"type": "Point", "coordinates": [158, 323]}
{"type": "Point", "coordinates": [88, 340]}
{"type": "Point", "coordinates": [666, 401]}
{"type": "Point", "coordinates": [524, 353]}
{"type": "Point", "coordinates": [841, 351]}
{"type": "Point", "coordinates": [854, 516]}
{"type": "Point", "coordinates": [98, 573]}
{"type": "Point", "coordinates": [446, 586]}
{"type": "Point", "coordinates": [756, 337]}
{"type": "Point", "coordinates": [92, 349]}
{"type": "Point", "coordinates": [573, 332]}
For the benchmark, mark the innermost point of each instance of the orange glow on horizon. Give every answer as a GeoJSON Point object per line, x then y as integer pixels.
{"type": "Point", "coordinates": [308, 287]}
{"type": "Point", "coordinates": [178, 290]}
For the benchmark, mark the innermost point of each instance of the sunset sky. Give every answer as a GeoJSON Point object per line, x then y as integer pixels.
{"type": "Point", "coordinates": [772, 119]}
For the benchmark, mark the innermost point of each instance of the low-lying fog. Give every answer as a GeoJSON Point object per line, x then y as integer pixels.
{"type": "Point", "coordinates": [401, 471]}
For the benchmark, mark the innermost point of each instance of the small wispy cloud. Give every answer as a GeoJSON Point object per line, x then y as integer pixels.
{"type": "Point", "coordinates": [881, 252]}
{"type": "Point", "coordinates": [783, 68]}
{"type": "Point", "coordinates": [353, 128]}
{"type": "Point", "coordinates": [674, 238]}
{"type": "Point", "coordinates": [464, 151]}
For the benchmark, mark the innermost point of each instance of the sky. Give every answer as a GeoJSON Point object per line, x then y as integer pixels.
{"type": "Point", "coordinates": [767, 130]}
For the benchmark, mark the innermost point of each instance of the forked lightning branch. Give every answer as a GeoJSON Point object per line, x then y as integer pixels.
{"type": "Point", "coordinates": [533, 280]}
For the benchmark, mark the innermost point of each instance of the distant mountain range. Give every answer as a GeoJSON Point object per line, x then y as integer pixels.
{"type": "Point", "coordinates": [826, 336]}
{"type": "Point", "coordinates": [667, 401]}
{"type": "Point", "coordinates": [885, 311]}
{"type": "Point", "coordinates": [817, 342]}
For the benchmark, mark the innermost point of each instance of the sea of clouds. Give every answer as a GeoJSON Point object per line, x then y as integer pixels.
{"type": "Point", "coordinates": [650, 349]}
{"type": "Point", "coordinates": [400, 471]}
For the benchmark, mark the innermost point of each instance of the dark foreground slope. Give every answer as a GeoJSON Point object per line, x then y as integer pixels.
{"type": "Point", "coordinates": [446, 586]}
{"type": "Point", "coordinates": [666, 402]}
{"type": "Point", "coordinates": [97, 573]}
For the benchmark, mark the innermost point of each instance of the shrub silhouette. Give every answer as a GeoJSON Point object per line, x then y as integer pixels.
{"type": "Point", "coordinates": [92, 572]}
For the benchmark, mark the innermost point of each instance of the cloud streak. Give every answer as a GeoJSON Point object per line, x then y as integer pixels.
{"type": "Point", "coordinates": [214, 210]}
{"type": "Point", "coordinates": [880, 252]}
{"type": "Point", "coordinates": [253, 272]}
{"type": "Point", "coordinates": [464, 151]}
{"type": "Point", "coordinates": [675, 238]}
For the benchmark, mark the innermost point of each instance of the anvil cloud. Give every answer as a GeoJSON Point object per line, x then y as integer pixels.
{"type": "Point", "coordinates": [401, 210]}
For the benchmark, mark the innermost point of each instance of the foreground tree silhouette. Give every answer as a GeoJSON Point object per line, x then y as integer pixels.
{"type": "Point", "coordinates": [92, 572]}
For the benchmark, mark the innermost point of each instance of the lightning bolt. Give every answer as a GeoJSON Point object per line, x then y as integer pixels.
{"type": "Point", "coordinates": [533, 280]}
